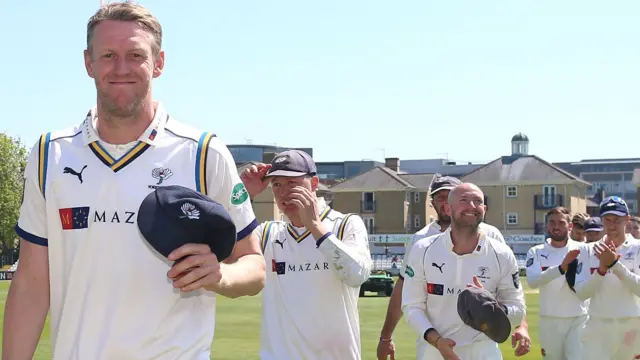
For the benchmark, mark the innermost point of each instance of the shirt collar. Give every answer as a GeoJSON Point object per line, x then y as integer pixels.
{"type": "Point", "coordinates": [149, 136]}
{"type": "Point", "coordinates": [448, 242]}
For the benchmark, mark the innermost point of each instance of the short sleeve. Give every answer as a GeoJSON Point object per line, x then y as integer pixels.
{"type": "Point", "coordinates": [32, 223]}
{"type": "Point", "coordinates": [224, 186]}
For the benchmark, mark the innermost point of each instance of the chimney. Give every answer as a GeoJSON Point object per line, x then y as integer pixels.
{"type": "Point", "coordinates": [392, 163]}
{"type": "Point", "coordinates": [267, 157]}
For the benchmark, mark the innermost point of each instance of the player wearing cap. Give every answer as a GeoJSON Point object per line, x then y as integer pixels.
{"type": "Point", "coordinates": [593, 229]}
{"type": "Point", "coordinates": [612, 287]}
{"type": "Point", "coordinates": [318, 258]}
{"type": "Point", "coordinates": [562, 313]}
{"type": "Point", "coordinates": [441, 267]}
{"type": "Point", "coordinates": [577, 226]}
{"type": "Point", "coordinates": [439, 190]}
{"type": "Point", "coordinates": [633, 227]}
{"type": "Point", "coordinates": [110, 295]}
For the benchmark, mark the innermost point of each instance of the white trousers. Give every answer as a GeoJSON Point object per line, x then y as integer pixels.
{"type": "Point", "coordinates": [611, 339]}
{"type": "Point", "coordinates": [560, 338]}
{"type": "Point", "coordinates": [483, 350]}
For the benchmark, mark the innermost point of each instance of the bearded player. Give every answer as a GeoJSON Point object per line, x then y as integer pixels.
{"type": "Point", "coordinates": [562, 313]}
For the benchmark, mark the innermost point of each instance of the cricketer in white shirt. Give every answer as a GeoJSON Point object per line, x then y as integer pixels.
{"type": "Point", "coordinates": [562, 314]}
{"type": "Point", "coordinates": [110, 295]}
{"type": "Point", "coordinates": [614, 303]}
{"type": "Point", "coordinates": [310, 300]}
{"type": "Point", "coordinates": [435, 228]}
{"type": "Point", "coordinates": [434, 277]}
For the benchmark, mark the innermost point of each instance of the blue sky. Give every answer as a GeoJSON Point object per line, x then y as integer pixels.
{"type": "Point", "coordinates": [357, 79]}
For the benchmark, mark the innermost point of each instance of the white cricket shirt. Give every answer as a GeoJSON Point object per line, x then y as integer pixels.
{"type": "Point", "coordinates": [310, 301]}
{"type": "Point", "coordinates": [434, 228]}
{"type": "Point", "coordinates": [543, 272]}
{"type": "Point", "coordinates": [435, 276]}
{"type": "Point", "coordinates": [110, 295]}
{"type": "Point", "coordinates": [617, 293]}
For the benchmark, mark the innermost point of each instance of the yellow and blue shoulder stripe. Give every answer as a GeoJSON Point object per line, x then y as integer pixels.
{"type": "Point", "coordinates": [266, 233]}
{"type": "Point", "coordinates": [343, 225]}
{"type": "Point", "coordinates": [43, 161]}
{"type": "Point", "coordinates": [201, 162]}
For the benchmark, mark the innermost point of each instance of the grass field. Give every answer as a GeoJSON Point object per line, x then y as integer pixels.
{"type": "Point", "coordinates": [238, 327]}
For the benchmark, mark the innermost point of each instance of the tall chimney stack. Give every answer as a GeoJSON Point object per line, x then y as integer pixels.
{"type": "Point", "coordinates": [392, 163]}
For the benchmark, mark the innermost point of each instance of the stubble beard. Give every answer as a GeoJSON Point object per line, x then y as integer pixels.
{"type": "Point", "coordinates": [119, 115]}
{"type": "Point", "coordinates": [466, 225]}
{"type": "Point", "coordinates": [561, 237]}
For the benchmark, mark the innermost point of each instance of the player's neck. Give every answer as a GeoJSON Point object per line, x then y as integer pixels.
{"type": "Point", "coordinates": [464, 239]}
{"type": "Point", "coordinates": [559, 244]}
{"type": "Point", "coordinates": [123, 130]}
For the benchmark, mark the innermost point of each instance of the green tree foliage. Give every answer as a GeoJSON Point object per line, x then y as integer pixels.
{"type": "Point", "coordinates": [13, 161]}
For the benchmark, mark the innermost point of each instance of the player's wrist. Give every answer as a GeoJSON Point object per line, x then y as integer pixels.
{"type": "Point", "coordinates": [385, 339]}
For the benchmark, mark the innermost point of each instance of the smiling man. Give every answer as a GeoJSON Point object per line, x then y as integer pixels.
{"type": "Point", "coordinates": [442, 266]}
{"type": "Point", "coordinates": [319, 257]}
{"type": "Point", "coordinates": [82, 257]}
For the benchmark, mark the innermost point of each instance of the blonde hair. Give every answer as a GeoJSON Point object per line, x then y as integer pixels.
{"type": "Point", "coordinates": [126, 11]}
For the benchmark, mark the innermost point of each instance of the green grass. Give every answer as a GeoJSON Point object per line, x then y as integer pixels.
{"type": "Point", "coordinates": [238, 327]}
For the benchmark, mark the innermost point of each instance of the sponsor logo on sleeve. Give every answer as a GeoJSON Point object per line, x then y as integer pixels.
{"type": "Point", "coordinates": [409, 271]}
{"type": "Point", "coordinates": [239, 194]}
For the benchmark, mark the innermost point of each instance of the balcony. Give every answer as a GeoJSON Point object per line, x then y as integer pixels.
{"type": "Point", "coordinates": [367, 206]}
{"type": "Point", "coordinates": [545, 202]}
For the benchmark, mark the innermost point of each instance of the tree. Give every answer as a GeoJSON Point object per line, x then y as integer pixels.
{"type": "Point", "coordinates": [14, 160]}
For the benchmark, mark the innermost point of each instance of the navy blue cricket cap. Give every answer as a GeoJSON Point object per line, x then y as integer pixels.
{"type": "Point", "coordinates": [480, 310]}
{"type": "Point", "coordinates": [593, 224]}
{"type": "Point", "coordinates": [444, 183]}
{"type": "Point", "coordinates": [172, 216]}
{"type": "Point", "coordinates": [292, 163]}
{"type": "Point", "coordinates": [614, 205]}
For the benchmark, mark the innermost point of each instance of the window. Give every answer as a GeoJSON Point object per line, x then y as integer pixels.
{"type": "Point", "coordinates": [549, 196]}
{"type": "Point", "coordinates": [416, 197]}
{"type": "Point", "coordinates": [512, 191]}
{"type": "Point", "coordinates": [416, 221]}
{"type": "Point", "coordinates": [512, 218]}
{"type": "Point", "coordinates": [368, 202]}
{"type": "Point", "coordinates": [369, 223]}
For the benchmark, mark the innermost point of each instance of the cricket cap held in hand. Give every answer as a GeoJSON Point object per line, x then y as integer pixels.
{"type": "Point", "coordinates": [480, 310]}
{"type": "Point", "coordinates": [172, 216]}
{"type": "Point", "coordinates": [292, 163]}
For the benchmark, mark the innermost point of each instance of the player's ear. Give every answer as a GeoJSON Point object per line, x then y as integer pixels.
{"type": "Point", "coordinates": [88, 63]}
{"type": "Point", "coordinates": [447, 209]}
{"type": "Point", "coordinates": [158, 64]}
{"type": "Point", "coordinates": [314, 183]}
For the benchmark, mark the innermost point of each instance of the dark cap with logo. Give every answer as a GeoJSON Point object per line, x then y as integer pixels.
{"type": "Point", "coordinates": [172, 216]}
{"type": "Point", "coordinates": [444, 183]}
{"type": "Point", "coordinates": [480, 310]}
{"type": "Point", "coordinates": [614, 205]}
{"type": "Point", "coordinates": [593, 224]}
{"type": "Point", "coordinates": [292, 163]}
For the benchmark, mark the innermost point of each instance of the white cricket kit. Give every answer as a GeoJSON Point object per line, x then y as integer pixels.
{"type": "Point", "coordinates": [110, 295]}
{"type": "Point", "coordinates": [562, 313]}
{"type": "Point", "coordinates": [434, 228]}
{"type": "Point", "coordinates": [310, 301]}
{"type": "Point", "coordinates": [434, 278]}
{"type": "Point", "coordinates": [613, 329]}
